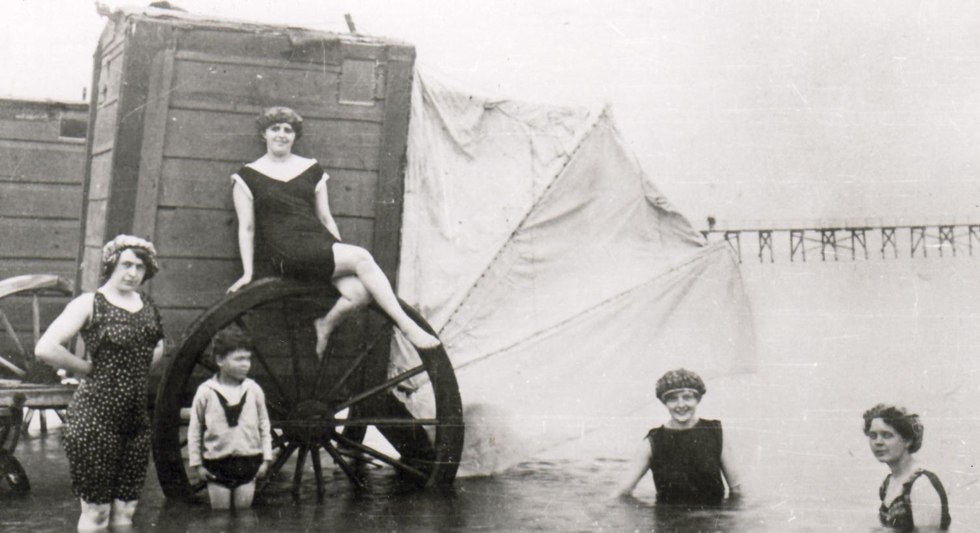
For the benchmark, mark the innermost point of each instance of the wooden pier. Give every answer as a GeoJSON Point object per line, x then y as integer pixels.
{"type": "Point", "coordinates": [849, 240]}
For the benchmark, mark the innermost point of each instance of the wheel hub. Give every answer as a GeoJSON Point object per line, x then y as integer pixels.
{"type": "Point", "coordinates": [308, 422]}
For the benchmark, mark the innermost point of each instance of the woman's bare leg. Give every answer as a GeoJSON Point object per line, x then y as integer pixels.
{"type": "Point", "coordinates": [122, 512]}
{"type": "Point", "coordinates": [354, 295]}
{"type": "Point", "coordinates": [354, 260]}
{"type": "Point", "coordinates": [94, 516]}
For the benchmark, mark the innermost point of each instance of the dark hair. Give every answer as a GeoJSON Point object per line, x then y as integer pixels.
{"type": "Point", "coordinates": [149, 261]}
{"type": "Point", "coordinates": [906, 424]}
{"type": "Point", "coordinates": [278, 115]}
{"type": "Point", "coordinates": [228, 340]}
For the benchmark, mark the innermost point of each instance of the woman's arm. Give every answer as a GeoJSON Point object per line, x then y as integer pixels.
{"type": "Point", "coordinates": [926, 505]}
{"type": "Point", "coordinates": [638, 468]}
{"type": "Point", "coordinates": [245, 210]}
{"type": "Point", "coordinates": [157, 353]}
{"type": "Point", "coordinates": [323, 211]}
{"type": "Point", "coordinates": [729, 471]}
{"type": "Point", "coordinates": [50, 347]}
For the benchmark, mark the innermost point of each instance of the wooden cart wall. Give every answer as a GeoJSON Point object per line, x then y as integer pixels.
{"type": "Point", "coordinates": [42, 165]}
{"type": "Point", "coordinates": [174, 106]}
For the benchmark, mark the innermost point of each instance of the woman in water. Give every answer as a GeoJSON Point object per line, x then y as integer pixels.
{"type": "Point", "coordinates": [911, 496]}
{"type": "Point", "coordinates": [282, 198]}
{"type": "Point", "coordinates": [107, 432]}
{"type": "Point", "coordinates": [687, 456]}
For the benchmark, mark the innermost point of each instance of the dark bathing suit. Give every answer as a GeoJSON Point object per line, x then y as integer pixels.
{"type": "Point", "coordinates": [288, 233]}
{"type": "Point", "coordinates": [107, 435]}
{"type": "Point", "coordinates": [898, 514]}
{"type": "Point", "coordinates": [686, 464]}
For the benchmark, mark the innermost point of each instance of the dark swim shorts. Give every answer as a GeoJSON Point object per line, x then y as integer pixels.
{"type": "Point", "coordinates": [235, 470]}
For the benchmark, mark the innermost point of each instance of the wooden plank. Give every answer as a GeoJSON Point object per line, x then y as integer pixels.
{"type": "Point", "coordinates": [204, 233]}
{"type": "Point", "coordinates": [99, 176]}
{"type": "Point", "coordinates": [218, 136]}
{"type": "Point", "coordinates": [38, 396]}
{"type": "Point", "coordinates": [193, 283]}
{"type": "Point", "coordinates": [102, 128]}
{"type": "Point", "coordinates": [268, 44]}
{"type": "Point", "coordinates": [31, 130]}
{"type": "Point", "coordinates": [154, 132]}
{"type": "Point", "coordinates": [248, 88]}
{"type": "Point", "coordinates": [94, 227]}
{"type": "Point", "coordinates": [391, 185]}
{"type": "Point", "coordinates": [41, 201]}
{"type": "Point", "coordinates": [137, 62]}
{"type": "Point", "coordinates": [10, 267]}
{"type": "Point", "coordinates": [201, 183]}
{"type": "Point", "coordinates": [42, 163]}
{"type": "Point", "coordinates": [26, 239]}
{"type": "Point", "coordinates": [90, 268]}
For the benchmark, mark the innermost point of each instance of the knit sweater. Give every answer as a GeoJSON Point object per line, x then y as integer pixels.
{"type": "Point", "coordinates": [210, 437]}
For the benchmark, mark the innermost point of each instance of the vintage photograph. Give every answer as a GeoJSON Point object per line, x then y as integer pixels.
{"type": "Point", "coordinates": [432, 265]}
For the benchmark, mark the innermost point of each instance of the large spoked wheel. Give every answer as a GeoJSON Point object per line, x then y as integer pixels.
{"type": "Point", "coordinates": [320, 405]}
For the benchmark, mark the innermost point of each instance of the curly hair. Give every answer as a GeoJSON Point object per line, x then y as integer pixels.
{"type": "Point", "coordinates": [278, 115]}
{"type": "Point", "coordinates": [906, 424]}
{"type": "Point", "coordinates": [142, 248]}
{"type": "Point", "coordinates": [228, 340]}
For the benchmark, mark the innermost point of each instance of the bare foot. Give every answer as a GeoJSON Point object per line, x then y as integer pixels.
{"type": "Point", "coordinates": [421, 339]}
{"type": "Point", "coordinates": [322, 336]}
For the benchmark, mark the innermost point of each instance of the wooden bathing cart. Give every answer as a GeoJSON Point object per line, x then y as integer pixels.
{"type": "Point", "coordinates": [19, 398]}
{"type": "Point", "coordinates": [173, 110]}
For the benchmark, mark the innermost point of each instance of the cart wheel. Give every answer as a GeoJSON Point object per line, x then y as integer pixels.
{"type": "Point", "coordinates": [12, 471]}
{"type": "Point", "coordinates": [319, 405]}
{"type": "Point", "coordinates": [27, 288]}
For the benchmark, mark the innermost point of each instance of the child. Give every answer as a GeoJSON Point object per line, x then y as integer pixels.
{"type": "Point", "coordinates": [686, 455]}
{"type": "Point", "coordinates": [229, 425]}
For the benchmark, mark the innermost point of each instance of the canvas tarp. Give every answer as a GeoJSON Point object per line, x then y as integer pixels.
{"type": "Point", "coordinates": [559, 278]}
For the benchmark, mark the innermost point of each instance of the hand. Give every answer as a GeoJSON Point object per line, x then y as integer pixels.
{"type": "Point", "coordinates": [242, 281]}
{"type": "Point", "coordinates": [205, 474]}
{"type": "Point", "coordinates": [263, 470]}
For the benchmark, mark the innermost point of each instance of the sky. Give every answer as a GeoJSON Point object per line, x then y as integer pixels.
{"type": "Point", "coordinates": [752, 111]}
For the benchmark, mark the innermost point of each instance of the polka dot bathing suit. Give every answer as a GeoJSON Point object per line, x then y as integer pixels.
{"type": "Point", "coordinates": [107, 435]}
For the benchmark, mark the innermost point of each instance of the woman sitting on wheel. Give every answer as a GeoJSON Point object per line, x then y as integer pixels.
{"type": "Point", "coordinates": [282, 198]}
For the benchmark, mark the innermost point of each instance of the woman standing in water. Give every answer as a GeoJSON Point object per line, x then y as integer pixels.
{"type": "Point", "coordinates": [107, 432]}
{"type": "Point", "coordinates": [894, 435]}
{"type": "Point", "coordinates": [687, 456]}
{"type": "Point", "coordinates": [282, 198]}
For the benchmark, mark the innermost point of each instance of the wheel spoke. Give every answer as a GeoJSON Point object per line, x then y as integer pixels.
{"type": "Point", "coordinates": [317, 470]}
{"type": "Point", "coordinates": [382, 387]}
{"type": "Point", "coordinates": [376, 338]}
{"type": "Point", "coordinates": [257, 355]}
{"type": "Point", "coordinates": [279, 462]}
{"type": "Point", "coordinates": [382, 421]}
{"type": "Point", "coordinates": [381, 456]}
{"type": "Point", "coordinates": [342, 463]}
{"type": "Point", "coordinates": [298, 472]}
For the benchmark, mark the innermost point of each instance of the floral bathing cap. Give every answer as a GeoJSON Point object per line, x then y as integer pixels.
{"type": "Point", "coordinates": [680, 379]}
{"type": "Point", "coordinates": [112, 249]}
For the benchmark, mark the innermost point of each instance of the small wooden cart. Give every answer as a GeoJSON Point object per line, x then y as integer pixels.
{"type": "Point", "coordinates": [20, 399]}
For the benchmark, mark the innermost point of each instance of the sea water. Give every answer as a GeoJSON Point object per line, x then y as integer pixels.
{"type": "Point", "coordinates": [834, 339]}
